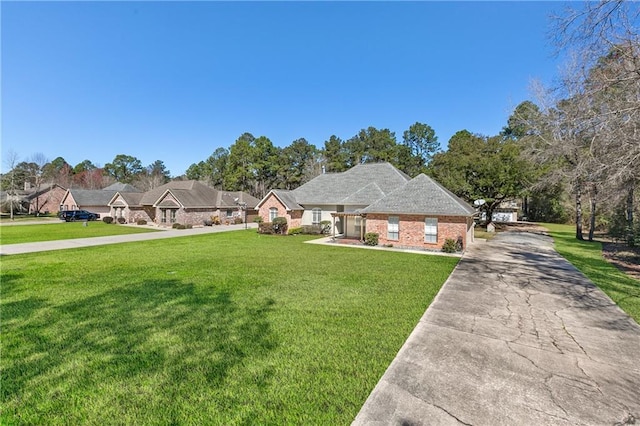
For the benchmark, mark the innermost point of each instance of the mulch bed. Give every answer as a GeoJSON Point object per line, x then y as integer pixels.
{"type": "Point", "coordinates": [625, 258]}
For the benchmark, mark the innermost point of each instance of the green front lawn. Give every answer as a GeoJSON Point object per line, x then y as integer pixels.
{"type": "Point", "coordinates": [228, 328]}
{"type": "Point", "coordinates": [15, 234]}
{"type": "Point", "coordinates": [587, 257]}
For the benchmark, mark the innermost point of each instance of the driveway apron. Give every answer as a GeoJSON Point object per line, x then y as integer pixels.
{"type": "Point", "coordinates": [516, 336]}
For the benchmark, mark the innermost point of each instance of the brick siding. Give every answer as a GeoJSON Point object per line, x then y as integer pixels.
{"type": "Point", "coordinates": [294, 218]}
{"type": "Point", "coordinates": [411, 229]}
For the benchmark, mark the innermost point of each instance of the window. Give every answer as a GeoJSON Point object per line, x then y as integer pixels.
{"type": "Point", "coordinates": [229, 213]}
{"type": "Point", "coordinates": [393, 228]}
{"type": "Point", "coordinates": [317, 216]}
{"type": "Point", "coordinates": [431, 230]}
{"type": "Point", "coordinates": [163, 215]}
{"type": "Point", "coordinates": [173, 215]}
{"type": "Point", "coordinates": [358, 225]}
{"type": "Point", "coordinates": [273, 213]}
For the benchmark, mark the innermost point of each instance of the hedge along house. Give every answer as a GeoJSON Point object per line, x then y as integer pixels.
{"type": "Point", "coordinates": [186, 202]}
{"type": "Point", "coordinates": [333, 194]}
{"type": "Point", "coordinates": [421, 214]}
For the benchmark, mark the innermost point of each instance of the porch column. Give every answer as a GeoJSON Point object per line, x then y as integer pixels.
{"type": "Point", "coordinates": [333, 218]}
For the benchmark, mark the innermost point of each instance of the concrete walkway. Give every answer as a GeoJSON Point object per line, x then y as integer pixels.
{"type": "Point", "coordinates": [115, 239]}
{"type": "Point", "coordinates": [517, 336]}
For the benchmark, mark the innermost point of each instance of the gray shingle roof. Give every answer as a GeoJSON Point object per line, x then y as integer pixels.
{"type": "Point", "coordinates": [338, 188]}
{"type": "Point", "coordinates": [288, 199]}
{"type": "Point", "coordinates": [228, 199]}
{"type": "Point", "coordinates": [421, 195]}
{"type": "Point", "coordinates": [122, 187]}
{"type": "Point", "coordinates": [92, 197]}
{"type": "Point", "coordinates": [195, 194]}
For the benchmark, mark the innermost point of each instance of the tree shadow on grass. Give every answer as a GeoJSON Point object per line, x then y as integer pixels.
{"type": "Point", "coordinates": [149, 346]}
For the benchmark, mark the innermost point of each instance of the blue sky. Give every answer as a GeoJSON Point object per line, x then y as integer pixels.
{"type": "Point", "coordinates": [173, 81]}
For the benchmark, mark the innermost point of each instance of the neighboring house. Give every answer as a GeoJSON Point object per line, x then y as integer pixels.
{"type": "Point", "coordinates": [187, 202]}
{"type": "Point", "coordinates": [93, 200]}
{"type": "Point", "coordinates": [376, 198]}
{"type": "Point", "coordinates": [47, 199]}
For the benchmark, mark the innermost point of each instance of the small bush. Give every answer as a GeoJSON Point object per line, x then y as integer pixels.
{"type": "Point", "coordinates": [177, 226]}
{"type": "Point", "coordinates": [258, 219]}
{"type": "Point", "coordinates": [207, 222]}
{"type": "Point", "coordinates": [188, 226]}
{"type": "Point", "coordinates": [279, 225]}
{"type": "Point", "coordinates": [295, 231]}
{"type": "Point", "coordinates": [237, 220]}
{"type": "Point", "coordinates": [451, 246]}
{"type": "Point", "coordinates": [311, 229]}
{"type": "Point", "coordinates": [107, 219]}
{"type": "Point", "coordinates": [371, 239]}
{"type": "Point", "coordinates": [121, 220]}
{"type": "Point", "coordinates": [265, 228]}
{"type": "Point", "coordinates": [215, 220]}
{"type": "Point", "coordinates": [141, 222]}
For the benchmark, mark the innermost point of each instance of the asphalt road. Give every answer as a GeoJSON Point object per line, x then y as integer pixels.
{"type": "Point", "coordinates": [516, 336]}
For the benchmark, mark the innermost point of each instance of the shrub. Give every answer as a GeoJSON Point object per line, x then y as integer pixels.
{"type": "Point", "coordinates": [188, 226]}
{"type": "Point", "coordinates": [311, 229]}
{"type": "Point", "coordinates": [371, 239]}
{"type": "Point", "coordinates": [107, 219]}
{"type": "Point", "coordinates": [237, 220]}
{"type": "Point", "coordinates": [215, 220]}
{"type": "Point", "coordinates": [258, 219]}
{"type": "Point", "coordinates": [121, 220]}
{"type": "Point", "coordinates": [451, 246]}
{"type": "Point", "coordinates": [177, 226]}
{"type": "Point", "coordinates": [279, 225]}
{"type": "Point", "coordinates": [295, 231]}
{"type": "Point", "coordinates": [141, 222]}
{"type": "Point", "coordinates": [207, 222]}
{"type": "Point", "coordinates": [265, 228]}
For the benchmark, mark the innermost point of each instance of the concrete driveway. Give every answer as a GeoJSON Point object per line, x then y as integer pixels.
{"type": "Point", "coordinates": [517, 336]}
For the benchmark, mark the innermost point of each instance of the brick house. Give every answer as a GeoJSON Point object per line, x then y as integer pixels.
{"type": "Point", "coordinates": [93, 200]}
{"type": "Point", "coordinates": [418, 212]}
{"type": "Point", "coordinates": [47, 199]}
{"type": "Point", "coordinates": [187, 202]}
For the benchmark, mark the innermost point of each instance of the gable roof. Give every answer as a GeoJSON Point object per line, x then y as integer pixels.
{"type": "Point", "coordinates": [286, 198]}
{"type": "Point", "coordinates": [341, 188]}
{"type": "Point", "coordinates": [126, 199]}
{"type": "Point", "coordinates": [421, 195]}
{"type": "Point", "coordinates": [43, 189]}
{"type": "Point", "coordinates": [201, 192]}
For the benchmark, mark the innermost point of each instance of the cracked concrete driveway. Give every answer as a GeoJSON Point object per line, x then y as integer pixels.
{"type": "Point", "coordinates": [517, 336]}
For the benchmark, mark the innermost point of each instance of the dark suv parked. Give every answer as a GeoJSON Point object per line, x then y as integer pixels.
{"type": "Point", "coordinates": [73, 215]}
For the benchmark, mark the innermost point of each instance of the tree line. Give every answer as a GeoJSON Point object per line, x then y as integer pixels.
{"type": "Point", "coordinates": [256, 165]}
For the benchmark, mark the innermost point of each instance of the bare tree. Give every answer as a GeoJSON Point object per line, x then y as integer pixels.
{"type": "Point", "coordinates": [11, 161]}
{"type": "Point", "coordinates": [604, 91]}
